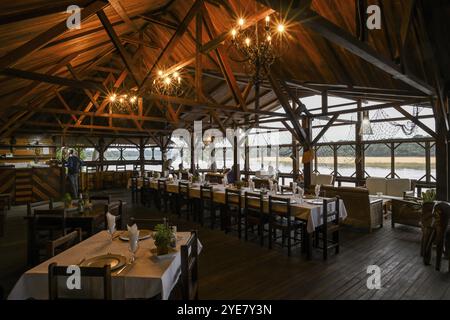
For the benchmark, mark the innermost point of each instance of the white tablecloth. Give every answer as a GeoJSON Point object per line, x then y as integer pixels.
{"type": "Point", "coordinates": [147, 277]}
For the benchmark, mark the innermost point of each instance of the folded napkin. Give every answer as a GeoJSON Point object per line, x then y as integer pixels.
{"type": "Point", "coordinates": [133, 235]}
{"type": "Point", "coordinates": [294, 187]}
{"type": "Point", "coordinates": [317, 189]}
{"type": "Point", "coordinates": [225, 180]}
{"type": "Point", "coordinates": [111, 219]}
{"type": "Point", "coordinates": [301, 192]}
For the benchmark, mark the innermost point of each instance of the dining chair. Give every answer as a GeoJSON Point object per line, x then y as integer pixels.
{"type": "Point", "coordinates": [134, 189]}
{"type": "Point", "coordinates": [149, 224]}
{"type": "Point", "coordinates": [146, 192]}
{"type": "Point", "coordinates": [254, 214]}
{"type": "Point", "coordinates": [46, 225]}
{"type": "Point", "coordinates": [184, 202]}
{"type": "Point", "coordinates": [55, 271]}
{"type": "Point", "coordinates": [233, 211]}
{"type": "Point", "coordinates": [189, 268]}
{"type": "Point", "coordinates": [162, 197]}
{"type": "Point", "coordinates": [63, 243]}
{"type": "Point", "coordinates": [114, 208]}
{"type": "Point", "coordinates": [31, 206]}
{"type": "Point", "coordinates": [328, 233]}
{"type": "Point", "coordinates": [208, 208]}
{"type": "Point", "coordinates": [280, 218]}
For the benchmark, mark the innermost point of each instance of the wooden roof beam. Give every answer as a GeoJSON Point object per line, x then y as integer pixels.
{"type": "Point", "coordinates": [14, 56]}
{"type": "Point", "coordinates": [342, 38]}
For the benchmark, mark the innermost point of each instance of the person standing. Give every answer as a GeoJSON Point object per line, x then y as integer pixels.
{"type": "Point", "coordinates": [74, 166]}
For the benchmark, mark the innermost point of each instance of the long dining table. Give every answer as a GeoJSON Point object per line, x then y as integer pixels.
{"type": "Point", "coordinates": [307, 210]}
{"type": "Point", "coordinates": [148, 276]}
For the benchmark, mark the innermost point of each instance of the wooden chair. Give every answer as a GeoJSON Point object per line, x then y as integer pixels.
{"type": "Point", "coordinates": [3, 213]}
{"type": "Point", "coordinates": [146, 192]}
{"type": "Point", "coordinates": [330, 227]}
{"type": "Point", "coordinates": [115, 209]}
{"type": "Point", "coordinates": [233, 211]}
{"type": "Point", "coordinates": [55, 271]}
{"type": "Point", "coordinates": [189, 268]}
{"type": "Point", "coordinates": [162, 198]}
{"type": "Point", "coordinates": [149, 224]}
{"type": "Point", "coordinates": [438, 235]}
{"type": "Point", "coordinates": [63, 243]}
{"type": "Point", "coordinates": [102, 198]}
{"type": "Point", "coordinates": [46, 225]}
{"type": "Point", "coordinates": [134, 189]}
{"type": "Point", "coordinates": [207, 205]}
{"type": "Point", "coordinates": [254, 214]}
{"type": "Point", "coordinates": [31, 206]}
{"type": "Point", "coordinates": [6, 198]}
{"type": "Point", "coordinates": [184, 202]}
{"type": "Point", "coordinates": [280, 218]}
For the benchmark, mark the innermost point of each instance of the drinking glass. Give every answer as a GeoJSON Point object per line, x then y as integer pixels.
{"type": "Point", "coordinates": [133, 247]}
{"type": "Point", "coordinates": [111, 232]}
{"type": "Point", "coordinates": [317, 191]}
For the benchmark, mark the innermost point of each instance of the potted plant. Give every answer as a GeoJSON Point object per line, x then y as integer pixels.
{"type": "Point", "coordinates": [67, 200]}
{"type": "Point", "coordinates": [162, 237]}
{"type": "Point", "coordinates": [239, 184]}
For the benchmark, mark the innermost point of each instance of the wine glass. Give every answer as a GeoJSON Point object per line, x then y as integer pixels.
{"type": "Point", "coordinates": [133, 246]}
{"type": "Point", "coordinates": [317, 191]}
{"type": "Point", "coordinates": [111, 231]}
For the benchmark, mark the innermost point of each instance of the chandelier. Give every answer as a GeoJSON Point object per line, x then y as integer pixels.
{"type": "Point", "coordinates": [260, 45]}
{"type": "Point", "coordinates": [168, 84]}
{"type": "Point", "coordinates": [123, 101]}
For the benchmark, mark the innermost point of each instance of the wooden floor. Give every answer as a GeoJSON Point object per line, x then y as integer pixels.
{"type": "Point", "coordinates": [234, 269]}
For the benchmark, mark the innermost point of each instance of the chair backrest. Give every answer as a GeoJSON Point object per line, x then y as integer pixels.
{"type": "Point", "coordinates": [397, 187]}
{"type": "Point", "coordinates": [206, 193]}
{"type": "Point", "coordinates": [183, 189]}
{"type": "Point", "coordinates": [189, 268]}
{"type": "Point", "coordinates": [55, 271]}
{"type": "Point", "coordinates": [149, 224]}
{"type": "Point", "coordinates": [375, 185]}
{"type": "Point", "coordinates": [280, 207]}
{"type": "Point", "coordinates": [63, 243]}
{"type": "Point", "coordinates": [260, 183]}
{"type": "Point", "coordinates": [32, 205]}
{"type": "Point", "coordinates": [286, 189]}
{"type": "Point", "coordinates": [146, 183]}
{"type": "Point", "coordinates": [46, 219]}
{"type": "Point", "coordinates": [162, 186]}
{"type": "Point", "coordinates": [253, 203]}
{"type": "Point", "coordinates": [233, 198]}
{"type": "Point", "coordinates": [114, 208]}
{"type": "Point", "coordinates": [106, 198]}
{"type": "Point", "coordinates": [330, 215]}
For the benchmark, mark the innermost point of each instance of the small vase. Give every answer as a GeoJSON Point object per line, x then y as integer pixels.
{"type": "Point", "coordinates": [161, 250]}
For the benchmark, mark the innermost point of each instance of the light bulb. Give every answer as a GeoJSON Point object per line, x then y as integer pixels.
{"type": "Point", "coordinates": [160, 73]}
{"type": "Point", "coordinates": [133, 99]}
{"type": "Point", "coordinates": [267, 19]}
{"type": "Point", "coordinates": [269, 38]}
{"type": "Point", "coordinates": [241, 22]}
{"type": "Point", "coordinates": [247, 41]}
{"type": "Point", "coordinates": [167, 80]}
{"type": "Point", "coordinates": [112, 98]}
{"type": "Point", "coordinates": [234, 33]}
{"type": "Point", "coordinates": [176, 75]}
{"type": "Point", "coordinates": [280, 28]}
{"type": "Point", "coordinates": [179, 79]}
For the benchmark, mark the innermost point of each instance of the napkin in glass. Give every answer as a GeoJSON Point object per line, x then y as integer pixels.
{"type": "Point", "coordinates": [133, 236]}
{"type": "Point", "coordinates": [111, 219]}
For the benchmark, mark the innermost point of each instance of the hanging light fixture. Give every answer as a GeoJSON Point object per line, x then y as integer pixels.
{"type": "Point", "coordinates": [168, 84]}
{"type": "Point", "coordinates": [366, 127]}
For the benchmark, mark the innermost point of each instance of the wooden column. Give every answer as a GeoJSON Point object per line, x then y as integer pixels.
{"type": "Point", "coordinates": [295, 159]}
{"type": "Point", "coordinates": [192, 152]}
{"type": "Point", "coordinates": [237, 169]}
{"type": "Point", "coordinates": [307, 126]}
{"type": "Point", "coordinates": [142, 155]}
{"type": "Point", "coordinates": [247, 158]}
{"type": "Point", "coordinates": [442, 155]}
{"type": "Point", "coordinates": [359, 148]}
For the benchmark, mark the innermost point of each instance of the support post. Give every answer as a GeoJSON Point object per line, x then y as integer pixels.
{"type": "Point", "coordinates": [295, 159]}
{"type": "Point", "coordinates": [307, 126]}
{"type": "Point", "coordinates": [192, 152]}
{"type": "Point", "coordinates": [142, 155]}
{"type": "Point", "coordinates": [442, 155]}
{"type": "Point", "coordinates": [237, 169]}
{"type": "Point", "coordinates": [359, 149]}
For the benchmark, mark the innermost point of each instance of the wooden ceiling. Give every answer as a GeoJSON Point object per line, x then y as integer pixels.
{"type": "Point", "coordinates": [55, 80]}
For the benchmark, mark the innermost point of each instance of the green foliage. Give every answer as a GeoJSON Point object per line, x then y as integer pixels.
{"type": "Point", "coordinates": [239, 184]}
{"type": "Point", "coordinates": [67, 199]}
{"type": "Point", "coordinates": [429, 196]}
{"type": "Point", "coordinates": [162, 235]}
